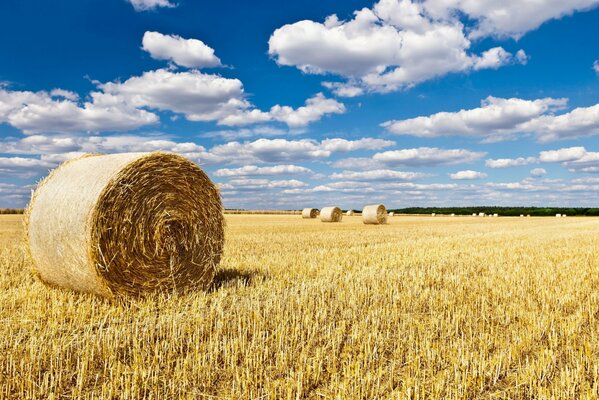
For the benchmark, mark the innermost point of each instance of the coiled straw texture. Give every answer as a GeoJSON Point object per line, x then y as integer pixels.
{"type": "Point", "coordinates": [126, 224]}
{"type": "Point", "coordinates": [374, 214]}
{"type": "Point", "coordinates": [331, 214]}
{"type": "Point", "coordinates": [309, 213]}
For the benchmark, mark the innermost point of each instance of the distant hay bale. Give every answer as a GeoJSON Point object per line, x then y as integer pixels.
{"type": "Point", "coordinates": [309, 213]}
{"type": "Point", "coordinates": [125, 225]}
{"type": "Point", "coordinates": [474, 214]}
{"type": "Point", "coordinates": [496, 215]}
{"type": "Point", "coordinates": [558, 215]}
{"type": "Point", "coordinates": [391, 214]}
{"type": "Point", "coordinates": [452, 214]}
{"type": "Point", "coordinates": [482, 214]}
{"type": "Point", "coordinates": [433, 214]}
{"type": "Point", "coordinates": [331, 214]}
{"type": "Point", "coordinates": [564, 215]}
{"type": "Point", "coordinates": [349, 213]}
{"type": "Point", "coordinates": [521, 215]}
{"type": "Point", "coordinates": [374, 214]}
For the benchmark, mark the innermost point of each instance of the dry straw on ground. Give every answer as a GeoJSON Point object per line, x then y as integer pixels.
{"type": "Point", "coordinates": [126, 224]}
{"type": "Point", "coordinates": [374, 214]}
{"type": "Point", "coordinates": [331, 214]}
{"type": "Point", "coordinates": [309, 213]}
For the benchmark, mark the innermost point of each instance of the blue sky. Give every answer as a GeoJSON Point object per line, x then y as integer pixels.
{"type": "Point", "coordinates": [453, 102]}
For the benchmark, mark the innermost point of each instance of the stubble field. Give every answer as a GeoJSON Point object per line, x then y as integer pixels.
{"type": "Point", "coordinates": [423, 307]}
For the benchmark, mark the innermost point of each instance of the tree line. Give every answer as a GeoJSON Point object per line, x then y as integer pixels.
{"type": "Point", "coordinates": [505, 211]}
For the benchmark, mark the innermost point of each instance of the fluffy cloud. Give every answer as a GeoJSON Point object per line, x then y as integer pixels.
{"type": "Point", "coordinates": [496, 119]}
{"type": "Point", "coordinates": [145, 5]}
{"type": "Point", "coordinates": [538, 172]}
{"type": "Point", "coordinates": [191, 53]}
{"type": "Point", "coordinates": [253, 170]}
{"type": "Point", "coordinates": [378, 175]}
{"type": "Point", "coordinates": [508, 17]}
{"type": "Point", "coordinates": [580, 122]}
{"type": "Point", "coordinates": [35, 112]}
{"type": "Point", "coordinates": [426, 156]}
{"type": "Point", "coordinates": [510, 162]}
{"type": "Point", "coordinates": [394, 45]}
{"type": "Point", "coordinates": [209, 97]}
{"type": "Point", "coordinates": [596, 66]}
{"type": "Point", "coordinates": [282, 150]}
{"type": "Point", "coordinates": [561, 155]}
{"type": "Point", "coordinates": [261, 184]}
{"type": "Point", "coordinates": [22, 167]}
{"type": "Point", "coordinates": [315, 108]}
{"type": "Point", "coordinates": [467, 175]}
{"type": "Point", "coordinates": [122, 106]}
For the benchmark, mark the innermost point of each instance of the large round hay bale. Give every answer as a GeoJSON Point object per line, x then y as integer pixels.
{"type": "Point", "coordinates": [309, 213]}
{"type": "Point", "coordinates": [374, 214]}
{"type": "Point", "coordinates": [331, 214]}
{"type": "Point", "coordinates": [126, 224]}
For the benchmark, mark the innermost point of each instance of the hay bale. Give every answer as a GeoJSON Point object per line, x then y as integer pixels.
{"type": "Point", "coordinates": [558, 215]}
{"type": "Point", "coordinates": [391, 214]}
{"type": "Point", "coordinates": [331, 214]}
{"type": "Point", "coordinates": [125, 225]}
{"type": "Point", "coordinates": [482, 214]}
{"type": "Point", "coordinates": [453, 214]}
{"type": "Point", "coordinates": [496, 215]}
{"type": "Point", "coordinates": [521, 215]}
{"type": "Point", "coordinates": [309, 213]}
{"type": "Point", "coordinates": [433, 214]}
{"type": "Point", "coordinates": [474, 214]}
{"type": "Point", "coordinates": [349, 213]}
{"type": "Point", "coordinates": [374, 214]}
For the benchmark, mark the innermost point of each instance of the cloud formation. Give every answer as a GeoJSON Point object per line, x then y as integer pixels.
{"type": "Point", "coordinates": [467, 175]}
{"type": "Point", "coordinates": [394, 45]}
{"type": "Point", "coordinates": [146, 5]}
{"type": "Point", "coordinates": [500, 119]}
{"type": "Point", "coordinates": [190, 53]}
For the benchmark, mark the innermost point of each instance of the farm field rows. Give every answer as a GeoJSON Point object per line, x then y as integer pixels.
{"type": "Point", "coordinates": [419, 308]}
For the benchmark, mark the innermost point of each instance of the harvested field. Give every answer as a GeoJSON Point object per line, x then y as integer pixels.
{"type": "Point", "coordinates": [420, 307]}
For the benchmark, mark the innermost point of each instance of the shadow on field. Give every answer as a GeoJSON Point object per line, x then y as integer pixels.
{"type": "Point", "coordinates": [228, 277]}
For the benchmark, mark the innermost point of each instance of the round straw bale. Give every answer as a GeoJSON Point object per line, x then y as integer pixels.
{"type": "Point", "coordinates": [349, 213]}
{"type": "Point", "coordinates": [374, 214]}
{"type": "Point", "coordinates": [391, 214]}
{"type": "Point", "coordinates": [331, 214]}
{"type": "Point", "coordinates": [126, 224]}
{"type": "Point", "coordinates": [309, 213]}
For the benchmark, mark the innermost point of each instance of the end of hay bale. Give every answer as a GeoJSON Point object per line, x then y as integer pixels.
{"type": "Point", "coordinates": [331, 214]}
{"type": "Point", "coordinates": [126, 225]}
{"type": "Point", "coordinates": [309, 213]}
{"type": "Point", "coordinates": [374, 214]}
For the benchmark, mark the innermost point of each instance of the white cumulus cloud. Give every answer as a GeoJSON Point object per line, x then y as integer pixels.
{"type": "Point", "coordinates": [191, 53]}
{"type": "Point", "coordinates": [510, 162]}
{"type": "Point", "coordinates": [538, 172]}
{"type": "Point", "coordinates": [146, 5]}
{"type": "Point", "coordinates": [467, 175]}
{"type": "Point", "coordinates": [254, 170]}
{"type": "Point", "coordinates": [378, 175]}
{"type": "Point", "coordinates": [394, 45]}
{"type": "Point", "coordinates": [495, 119]}
{"type": "Point", "coordinates": [426, 156]}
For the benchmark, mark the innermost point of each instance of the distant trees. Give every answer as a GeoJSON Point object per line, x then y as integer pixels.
{"type": "Point", "coordinates": [505, 211]}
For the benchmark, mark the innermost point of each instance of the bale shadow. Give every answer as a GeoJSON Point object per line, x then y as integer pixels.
{"type": "Point", "coordinates": [226, 277]}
